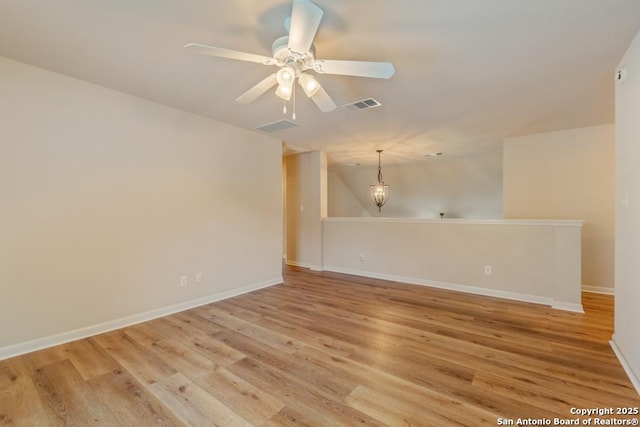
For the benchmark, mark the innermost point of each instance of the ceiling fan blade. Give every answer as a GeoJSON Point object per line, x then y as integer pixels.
{"type": "Point", "coordinates": [324, 101]}
{"type": "Point", "coordinates": [257, 90]}
{"type": "Point", "coordinates": [305, 19]}
{"type": "Point", "coordinates": [376, 70]}
{"type": "Point", "coordinates": [219, 52]}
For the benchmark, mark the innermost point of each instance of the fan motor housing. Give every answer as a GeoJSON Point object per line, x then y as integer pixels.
{"type": "Point", "coordinates": [284, 55]}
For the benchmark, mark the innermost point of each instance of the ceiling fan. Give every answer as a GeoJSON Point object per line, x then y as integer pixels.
{"type": "Point", "coordinates": [295, 56]}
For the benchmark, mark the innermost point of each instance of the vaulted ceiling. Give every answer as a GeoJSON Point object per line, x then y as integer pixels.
{"type": "Point", "coordinates": [468, 72]}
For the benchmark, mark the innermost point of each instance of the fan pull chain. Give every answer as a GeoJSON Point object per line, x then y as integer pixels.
{"type": "Point", "coordinates": [284, 107]}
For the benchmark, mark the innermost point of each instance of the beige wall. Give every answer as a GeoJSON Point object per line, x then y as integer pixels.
{"type": "Point", "coordinates": [460, 186]}
{"type": "Point", "coordinates": [341, 200]}
{"type": "Point", "coordinates": [567, 175]}
{"type": "Point", "coordinates": [536, 261]}
{"type": "Point", "coordinates": [627, 275]}
{"type": "Point", "coordinates": [107, 199]}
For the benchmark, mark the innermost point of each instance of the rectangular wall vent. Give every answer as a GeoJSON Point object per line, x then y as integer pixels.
{"type": "Point", "coordinates": [362, 105]}
{"type": "Point", "coordinates": [277, 126]}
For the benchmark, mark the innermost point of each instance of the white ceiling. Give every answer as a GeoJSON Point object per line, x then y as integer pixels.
{"type": "Point", "coordinates": [468, 72]}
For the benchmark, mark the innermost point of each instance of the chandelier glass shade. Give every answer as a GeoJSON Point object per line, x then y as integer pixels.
{"type": "Point", "coordinates": [285, 77]}
{"type": "Point", "coordinates": [284, 92]}
{"type": "Point", "coordinates": [309, 84]}
{"type": "Point", "coordinates": [379, 191]}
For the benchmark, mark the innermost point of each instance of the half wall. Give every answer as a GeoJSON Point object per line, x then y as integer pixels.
{"type": "Point", "coordinates": [534, 260]}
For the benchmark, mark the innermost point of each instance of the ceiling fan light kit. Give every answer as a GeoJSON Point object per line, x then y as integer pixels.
{"type": "Point", "coordinates": [295, 56]}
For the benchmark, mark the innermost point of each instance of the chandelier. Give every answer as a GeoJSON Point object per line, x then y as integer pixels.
{"type": "Point", "coordinates": [379, 191]}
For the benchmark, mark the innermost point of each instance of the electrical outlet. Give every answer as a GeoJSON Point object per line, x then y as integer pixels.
{"type": "Point", "coordinates": [184, 281]}
{"type": "Point", "coordinates": [487, 270]}
{"type": "Point", "coordinates": [199, 278]}
{"type": "Point", "coordinates": [361, 257]}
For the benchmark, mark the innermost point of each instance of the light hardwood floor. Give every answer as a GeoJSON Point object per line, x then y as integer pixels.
{"type": "Point", "coordinates": [328, 349]}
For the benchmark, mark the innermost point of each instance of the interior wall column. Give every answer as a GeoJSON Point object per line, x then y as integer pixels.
{"type": "Point", "coordinates": [306, 207]}
{"type": "Point", "coordinates": [318, 206]}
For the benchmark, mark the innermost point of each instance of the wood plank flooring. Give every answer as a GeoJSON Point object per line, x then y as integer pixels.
{"type": "Point", "coordinates": [325, 349]}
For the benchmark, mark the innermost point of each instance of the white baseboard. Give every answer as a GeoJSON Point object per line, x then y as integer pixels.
{"type": "Point", "coordinates": [598, 290]}
{"type": "Point", "coordinates": [305, 265]}
{"type": "Point", "coordinates": [463, 288]}
{"type": "Point", "coordinates": [635, 379]}
{"type": "Point", "coordinates": [567, 306]}
{"type": "Point", "coordinates": [65, 337]}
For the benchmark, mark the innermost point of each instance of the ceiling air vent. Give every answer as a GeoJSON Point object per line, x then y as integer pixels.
{"type": "Point", "coordinates": [277, 126]}
{"type": "Point", "coordinates": [362, 105]}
